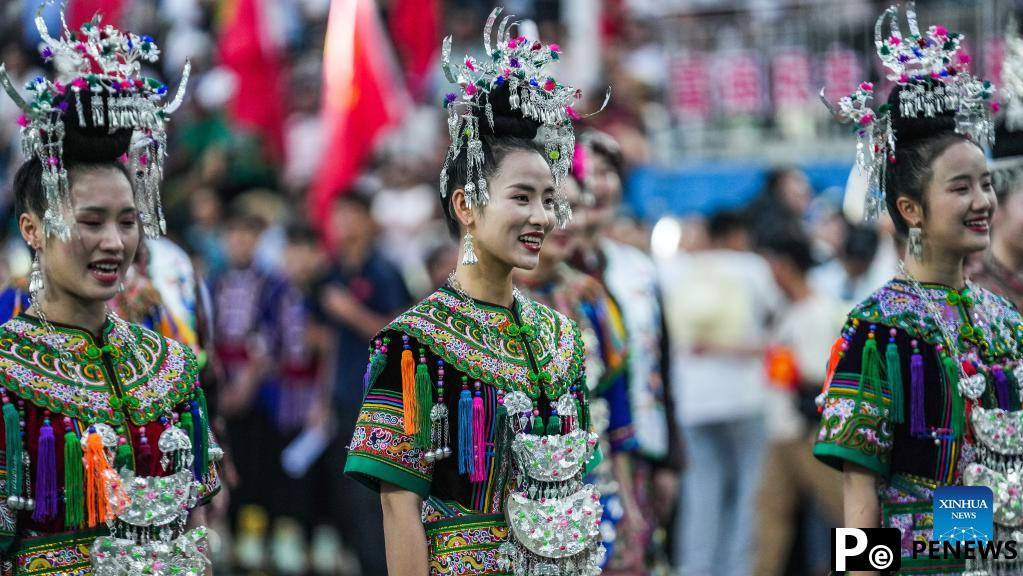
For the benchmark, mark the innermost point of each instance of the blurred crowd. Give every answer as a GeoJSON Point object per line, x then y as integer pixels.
{"type": "Point", "coordinates": [752, 296]}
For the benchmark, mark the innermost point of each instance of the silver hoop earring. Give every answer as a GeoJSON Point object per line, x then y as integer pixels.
{"type": "Point", "coordinates": [468, 252]}
{"type": "Point", "coordinates": [35, 280]}
{"type": "Point", "coordinates": [916, 244]}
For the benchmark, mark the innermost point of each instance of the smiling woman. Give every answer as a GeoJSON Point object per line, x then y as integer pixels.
{"type": "Point", "coordinates": [475, 423]}
{"type": "Point", "coordinates": [105, 442]}
{"type": "Point", "coordinates": [925, 381]}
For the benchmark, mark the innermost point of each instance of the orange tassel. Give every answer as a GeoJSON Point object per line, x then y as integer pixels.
{"type": "Point", "coordinates": [408, 390]}
{"type": "Point", "coordinates": [96, 468]}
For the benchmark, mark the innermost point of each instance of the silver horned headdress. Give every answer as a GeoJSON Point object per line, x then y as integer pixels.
{"type": "Point", "coordinates": [934, 80]}
{"type": "Point", "coordinates": [520, 65]}
{"type": "Point", "coordinates": [106, 70]}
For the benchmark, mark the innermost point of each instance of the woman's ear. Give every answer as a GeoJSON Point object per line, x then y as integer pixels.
{"type": "Point", "coordinates": [31, 230]}
{"type": "Point", "coordinates": [910, 210]}
{"type": "Point", "coordinates": [460, 208]}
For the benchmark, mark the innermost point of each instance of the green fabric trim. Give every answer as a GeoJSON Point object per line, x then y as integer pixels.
{"type": "Point", "coordinates": [472, 520]}
{"type": "Point", "coordinates": [370, 472]}
{"type": "Point", "coordinates": [835, 456]}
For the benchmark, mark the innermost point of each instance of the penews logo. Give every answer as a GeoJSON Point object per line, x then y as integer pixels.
{"type": "Point", "coordinates": [866, 549]}
{"type": "Point", "coordinates": [963, 514]}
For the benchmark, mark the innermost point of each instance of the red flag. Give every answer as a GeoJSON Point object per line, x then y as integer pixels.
{"type": "Point", "coordinates": [363, 96]}
{"type": "Point", "coordinates": [247, 47]}
{"type": "Point", "coordinates": [82, 11]}
{"type": "Point", "coordinates": [415, 29]}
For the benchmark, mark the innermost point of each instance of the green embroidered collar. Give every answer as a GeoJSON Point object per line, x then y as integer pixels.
{"type": "Point", "coordinates": [983, 321]}
{"type": "Point", "coordinates": [103, 382]}
{"type": "Point", "coordinates": [489, 342]}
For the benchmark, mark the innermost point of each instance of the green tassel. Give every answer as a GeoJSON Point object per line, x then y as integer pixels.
{"type": "Point", "coordinates": [1013, 384]}
{"type": "Point", "coordinates": [870, 371]}
{"type": "Point", "coordinates": [124, 458]}
{"type": "Point", "coordinates": [424, 395]}
{"type": "Point", "coordinates": [74, 482]}
{"type": "Point", "coordinates": [553, 425]}
{"type": "Point", "coordinates": [204, 412]}
{"type": "Point", "coordinates": [952, 389]}
{"type": "Point", "coordinates": [15, 464]}
{"type": "Point", "coordinates": [537, 429]}
{"type": "Point", "coordinates": [894, 368]}
{"type": "Point", "coordinates": [188, 426]}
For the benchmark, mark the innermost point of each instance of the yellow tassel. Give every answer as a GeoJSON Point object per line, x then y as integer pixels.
{"type": "Point", "coordinates": [408, 391]}
{"type": "Point", "coordinates": [96, 468]}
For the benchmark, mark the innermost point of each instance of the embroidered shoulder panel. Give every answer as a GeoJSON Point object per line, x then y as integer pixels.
{"type": "Point", "coordinates": [897, 304]}
{"type": "Point", "coordinates": [144, 387]}
{"type": "Point", "coordinates": [486, 343]}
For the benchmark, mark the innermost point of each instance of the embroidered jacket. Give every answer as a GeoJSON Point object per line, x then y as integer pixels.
{"type": "Point", "coordinates": [893, 400]}
{"type": "Point", "coordinates": [133, 380]}
{"type": "Point", "coordinates": [460, 352]}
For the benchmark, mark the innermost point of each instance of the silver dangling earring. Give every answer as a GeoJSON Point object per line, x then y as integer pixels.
{"type": "Point", "coordinates": [916, 244]}
{"type": "Point", "coordinates": [469, 253]}
{"type": "Point", "coordinates": [120, 287]}
{"type": "Point", "coordinates": [35, 280]}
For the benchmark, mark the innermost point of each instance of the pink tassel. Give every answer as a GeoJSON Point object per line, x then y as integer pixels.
{"type": "Point", "coordinates": [479, 439]}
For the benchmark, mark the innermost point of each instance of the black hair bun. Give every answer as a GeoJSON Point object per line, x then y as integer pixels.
{"type": "Point", "coordinates": [91, 144]}
{"type": "Point", "coordinates": [910, 129]}
{"type": "Point", "coordinates": [508, 123]}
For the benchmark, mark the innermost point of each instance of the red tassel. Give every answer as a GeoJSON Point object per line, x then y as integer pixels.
{"type": "Point", "coordinates": [837, 351]}
{"type": "Point", "coordinates": [479, 438]}
{"type": "Point", "coordinates": [145, 456]}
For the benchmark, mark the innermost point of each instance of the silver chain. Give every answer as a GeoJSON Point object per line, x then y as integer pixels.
{"type": "Point", "coordinates": [936, 313]}
{"type": "Point", "coordinates": [524, 303]}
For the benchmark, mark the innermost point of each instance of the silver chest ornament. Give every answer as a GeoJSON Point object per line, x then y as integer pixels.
{"type": "Point", "coordinates": [149, 536]}
{"type": "Point", "coordinates": [553, 515]}
{"type": "Point", "coordinates": [998, 464]}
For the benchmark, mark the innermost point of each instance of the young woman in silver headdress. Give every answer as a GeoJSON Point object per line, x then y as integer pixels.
{"type": "Point", "coordinates": [474, 426]}
{"type": "Point", "coordinates": [924, 385]}
{"type": "Point", "coordinates": [106, 447]}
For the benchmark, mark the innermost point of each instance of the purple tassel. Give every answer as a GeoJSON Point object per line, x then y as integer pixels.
{"type": "Point", "coordinates": [917, 424]}
{"type": "Point", "coordinates": [46, 475]}
{"type": "Point", "coordinates": [1001, 387]}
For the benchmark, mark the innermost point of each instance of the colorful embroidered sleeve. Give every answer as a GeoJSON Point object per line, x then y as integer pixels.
{"type": "Point", "coordinates": [856, 424]}
{"type": "Point", "coordinates": [605, 317]}
{"type": "Point", "coordinates": [381, 450]}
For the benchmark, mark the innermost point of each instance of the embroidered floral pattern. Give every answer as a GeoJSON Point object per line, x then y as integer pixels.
{"type": "Point", "coordinates": [32, 368]}
{"type": "Point", "coordinates": [466, 546]}
{"type": "Point", "coordinates": [379, 436]}
{"type": "Point", "coordinates": [484, 342]}
{"type": "Point", "coordinates": [859, 427]}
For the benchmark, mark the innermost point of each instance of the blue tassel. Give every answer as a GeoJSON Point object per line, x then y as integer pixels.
{"type": "Point", "coordinates": [465, 464]}
{"type": "Point", "coordinates": [198, 441]}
